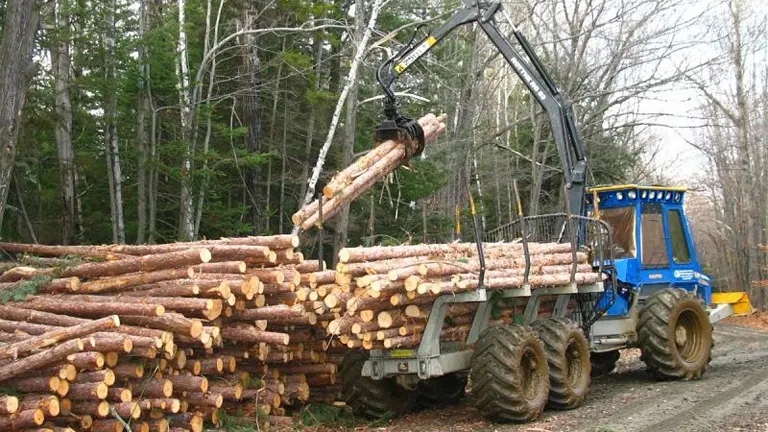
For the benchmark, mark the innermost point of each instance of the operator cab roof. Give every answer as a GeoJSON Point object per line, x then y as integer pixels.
{"type": "Point", "coordinates": [623, 195]}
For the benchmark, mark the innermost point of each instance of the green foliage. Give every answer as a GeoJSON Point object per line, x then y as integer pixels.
{"type": "Point", "coordinates": [21, 290]}
{"type": "Point", "coordinates": [318, 415]}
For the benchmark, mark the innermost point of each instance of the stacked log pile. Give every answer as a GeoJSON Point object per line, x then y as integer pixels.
{"type": "Point", "coordinates": [360, 177]}
{"type": "Point", "coordinates": [388, 292]}
{"type": "Point", "coordinates": [159, 337]}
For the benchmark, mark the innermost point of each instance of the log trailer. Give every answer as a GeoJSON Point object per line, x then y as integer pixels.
{"type": "Point", "coordinates": [654, 294]}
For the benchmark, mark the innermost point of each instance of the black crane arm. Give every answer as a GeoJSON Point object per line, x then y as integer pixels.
{"type": "Point", "coordinates": [527, 66]}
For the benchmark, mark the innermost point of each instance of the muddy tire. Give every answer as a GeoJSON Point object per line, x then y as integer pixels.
{"type": "Point", "coordinates": [675, 335]}
{"type": "Point", "coordinates": [442, 391]}
{"type": "Point", "coordinates": [509, 374]}
{"type": "Point", "coordinates": [567, 352]}
{"type": "Point", "coordinates": [371, 398]}
{"type": "Point", "coordinates": [604, 363]}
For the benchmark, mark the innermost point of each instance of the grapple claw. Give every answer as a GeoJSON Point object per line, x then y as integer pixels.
{"type": "Point", "coordinates": [402, 128]}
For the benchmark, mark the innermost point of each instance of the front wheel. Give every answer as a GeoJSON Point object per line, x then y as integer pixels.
{"type": "Point", "coordinates": [509, 374]}
{"type": "Point", "coordinates": [675, 335]}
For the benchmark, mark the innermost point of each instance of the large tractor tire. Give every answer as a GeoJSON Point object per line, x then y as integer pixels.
{"type": "Point", "coordinates": [371, 398]}
{"type": "Point", "coordinates": [442, 391]}
{"type": "Point", "coordinates": [509, 374]}
{"type": "Point", "coordinates": [568, 358]}
{"type": "Point", "coordinates": [675, 335]}
{"type": "Point", "coordinates": [604, 363]}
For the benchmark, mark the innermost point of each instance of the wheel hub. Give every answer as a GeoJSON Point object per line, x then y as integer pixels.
{"type": "Point", "coordinates": [681, 336]}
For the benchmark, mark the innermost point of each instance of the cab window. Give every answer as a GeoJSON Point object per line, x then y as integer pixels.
{"type": "Point", "coordinates": [681, 254]}
{"type": "Point", "coordinates": [654, 250]}
{"type": "Point", "coordinates": [622, 223]}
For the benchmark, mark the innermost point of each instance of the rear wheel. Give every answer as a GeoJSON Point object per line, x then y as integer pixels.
{"type": "Point", "coordinates": [568, 358]}
{"type": "Point", "coordinates": [604, 363]}
{"type": "Point", "coordinates": [675, 335]}
{"type": "Point", "coordinates": [509, 374]}
{"type": "Point", "coordinates": [368, 397]}
{"type": "Point", "coordinates": [441, 391]}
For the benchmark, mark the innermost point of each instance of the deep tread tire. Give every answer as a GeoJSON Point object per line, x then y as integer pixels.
{"type": "Point", "coordinates": [675, 335]}
{"type": "Point", "coordinates": [371, 398]}
{"type": "Point", "coordinates": [568, 358]}
{"type": "Point", "coordinates": [604, 363]}
{"type": "Point", "coordinates": [442, 391]}
{"type": "Point", "coordinates": [509, 374]}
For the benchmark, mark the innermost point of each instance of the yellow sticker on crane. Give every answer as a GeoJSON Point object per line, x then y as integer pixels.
{"type": "Point", "coordinates": [415, 54]}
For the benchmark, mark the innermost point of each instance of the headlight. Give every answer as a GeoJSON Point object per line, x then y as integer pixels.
{"type": "Point", "coordinates": [652, 195]}
{"type": "Point", "coordinates": [668, 196]}
{"type": "Point", "coordinates": [644, 194]}
{"type": "Point", "coordinates": [678, 195]}
{"type": "Point", "coordinates": [632, 194]}
{"type": "Point", "coordinates": [619, 196]}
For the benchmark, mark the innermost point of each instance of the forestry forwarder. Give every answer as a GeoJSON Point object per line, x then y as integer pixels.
{"type": "Point", "coordinates": [654, 296]}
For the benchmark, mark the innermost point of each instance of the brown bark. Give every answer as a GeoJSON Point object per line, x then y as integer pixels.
{"type": "Point", "coordinates": [106, 376]}
{"type": "Point", "coordinates": [55, 336]}
{"type": "Point", "coordinates": [130, 280]}
{"type": "Point", "coordinates": [278, 314]}
{"type": "Point", "coordinates": [192, 384]}
{"type": "Point", "coordinates": [49, 404]}
{"type": "Point", "coordinates": [205, 399]}
{"type": "Point", "coordinates": [106, 425]}
{"type": "Point", "coordinates": [249, 333]}
{"type": "Point", "coordinates": [10, 404]}
{"type": "Point", "coordinates": [147, 263]}
{"type": "Point", "coordinates": [221, 267]}
{"type": "Point", "coordinates": [87, 360]}
{"type": "Point", "coordinates": [22, 420]}
{"type": "Point", "coordinates": [87, 391]}
{"type": "Point", "coordinates": [128, 371]}
{"type": "Point", "coordinates": [173, 322]}
{"type": "Point", "coordinates": [110, 342]}
{"type": "Point", "coordinates": [166, 291]}
{"type": "Point", "coordinates": [154, 388]}
{"type": "Point", "coordinates": [34, 316]}
{"type": "Point", "coordinates": [107, 306]}
{"type": "Point", "coordinates": [309, 369]}
{"type": "Point", "coordinates": [119, 394]}
{"type": "Point", "coordinates": [208, 306]}
{"type": "Point", "coordinates": [309, 266]}
{"type": "Point", "coordinates": [71, 284]}
{"type": "Point", "coordinates": [40, 384]}
{"type": "Point", "coordinates": [93, 408]}
{"type": "Point", "coordinates": [41, 359]}
{"type": "Point", "coordinates": [127, 410]}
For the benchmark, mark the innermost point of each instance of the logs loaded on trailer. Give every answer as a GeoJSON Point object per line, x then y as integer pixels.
{"type": "Point", "coordinates": [160, 337]}
{"type": "Point", "coordinates": [389, 291]}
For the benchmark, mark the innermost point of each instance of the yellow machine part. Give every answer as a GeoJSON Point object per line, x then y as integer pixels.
{"type": "Point", "coordinates": [739, 301]}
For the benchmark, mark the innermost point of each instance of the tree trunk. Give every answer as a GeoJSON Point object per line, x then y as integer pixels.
{"type": "Point", "coordinates": [350, 133]}
{"type": "Point", "coordinates": [252, 113]}
{"type": "Point", "coordinates": [143, 113]}
{"type": "Point", "coordinates": [110, 129]}
{"type": "Point", "coordinates": [60, 57]}
{"type": "Point", "coordinates": [186, 221]}
{"type": "Point", "coordinates": [19, 28]}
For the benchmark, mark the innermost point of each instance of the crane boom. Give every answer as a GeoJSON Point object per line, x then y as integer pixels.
{"type": "Point", "coordinates": [526, 65]}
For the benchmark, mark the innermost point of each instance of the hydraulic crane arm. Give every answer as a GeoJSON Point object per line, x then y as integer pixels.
{"type": "Point", "coordinates": [527, 66]}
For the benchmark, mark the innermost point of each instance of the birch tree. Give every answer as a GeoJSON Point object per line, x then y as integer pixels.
{"type": "Point", "coordinates": [114, 167]}
{"type": "Point", "coordinates": [186, 221]}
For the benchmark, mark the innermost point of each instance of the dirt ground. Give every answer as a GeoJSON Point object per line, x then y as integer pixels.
{"type": "Point", "coordinates": [730, 397]}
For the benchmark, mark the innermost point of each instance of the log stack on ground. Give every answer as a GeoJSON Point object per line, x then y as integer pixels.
{"type": "Point", "coordinates": [158, 335]}
{"type": "Point", "coordinates": [360, 177]}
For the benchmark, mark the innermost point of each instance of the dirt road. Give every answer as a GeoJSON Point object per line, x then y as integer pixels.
{"type": "Point", "coordinates": [732, 396]}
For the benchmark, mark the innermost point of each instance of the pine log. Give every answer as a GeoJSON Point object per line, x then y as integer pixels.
{"type": "Point", "coordinates": [173, 322]}
{"type": "Point", "coordinates": [153, 388]}
{"type": "Point", "coordinates": [47, 339]}
{"type": "Point", "coordinates": [39, 384]}
{"type": "Point", "coordinates": [87, 360]}
{"type": "Point", "coordinates": [33, 316]}
{"type": "Point", "coordinates": [128, 371]}
{"type": "Point", "coordinates": [146, 263]}
{"type": "Point", "coordinates": [107, 376]}
{"type": "Point", "coordinates": [119, 394]}
{"type": "Point", "coordinates": [104, 342]}
{"type": "Point", "coordinates": [190, 421]}
{"type": "Point", "coordinates": [165, 291]}
{"type": "Point", "coordinates": [106, 425]}
{"type": "Point", "coordinates": [43, 358]}
{"type": "Point", "coordinates": [127, 410]}
{"type": "Point", "coordinates": [87, 391]}
{"type": "Point", "coordinates": [70, 284]}
{"type": "Point", "coordinates": [248, 333]}
{"type": "Point", "coordinates": [49, 404]}
{"type": "Point", "coordinates": [207, 306]}
{"type": "Point", "coordinates": [205, 399]}
{"type": "Point", "coordinates": [111, 307]}
{"type": "Point", "coordinates": [309, 266]}
{"type": "Point", "coordinates": [57, 251]}
{"type": "Point", "coordinates": [21, 420]}
{"type": "Point", "coordinates": [93, 408]}
{"type": "Point", "coordinates": [189, 383]}
{"type": "Point", "coordinates": [123, 282]}
{"type": "Point", "coordinates": [228, 267]}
